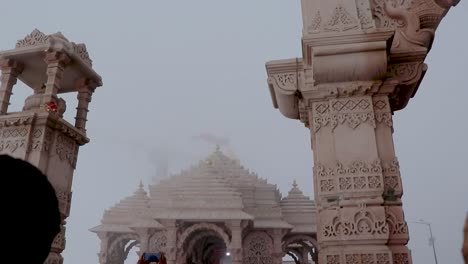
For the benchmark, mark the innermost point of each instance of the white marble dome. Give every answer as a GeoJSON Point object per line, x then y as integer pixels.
{"type": "Point", "coordinates": [216, 189]}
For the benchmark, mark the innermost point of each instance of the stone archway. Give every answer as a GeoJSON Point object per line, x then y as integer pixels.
{"type": "Point", "coordinates": [200, 242]}
{"type": "Point", "coordinates": [303, 246]}
{"type": "Point", "coordinates": [119, 248]}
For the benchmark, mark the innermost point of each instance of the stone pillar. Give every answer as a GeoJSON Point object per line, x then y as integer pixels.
{"type": "Point", "coordinates": [236, 242]}
{"type": "Point", "coordinates": [10, 70]}
{"type": "Point", "coordinates": [304, 256]}
{"type": "Point", "coordinates": [85, 91]}
{"type": "Point", "coordinates": [277, 252]}
{"type": "Point", "coordinates": [171, 244]}
{"type": "Point", "coordinates": [362, 60]}
{"type": "Point", "coordinates": [56, 62]}
{"type": "Point", "coordinates": [104, 237]}
{"type": "Point", "coordinates": [143, 235]}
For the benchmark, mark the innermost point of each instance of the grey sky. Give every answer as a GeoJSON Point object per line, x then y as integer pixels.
{"type": "Point", "coordinates": [175, 69]}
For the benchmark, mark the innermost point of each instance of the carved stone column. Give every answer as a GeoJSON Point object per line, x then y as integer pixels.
{"type": "Point", "coordinates": [56, 62]}
{"type": "Point", "coordinates": [10, 70]}
{"type": "Point", "coordinates": [277, 251]}
{"type": "Point", "coordinates": [304, 256]}
{"type": "Point", "coordinates": [85, 91]}
{"type": "Point", "coordinates": [171, 244]}
{"type": "Point", "coordinates": [143, 235]}
{"type": "Point", "coordinates": [362, 60]}
{"type": "Point", "coordinates": [236, 241]}
{"type": "Point", "coordinates": [104, 237]}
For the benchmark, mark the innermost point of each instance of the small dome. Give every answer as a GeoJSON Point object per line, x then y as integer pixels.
{"type": "Point", "coordinates": [299, 210]}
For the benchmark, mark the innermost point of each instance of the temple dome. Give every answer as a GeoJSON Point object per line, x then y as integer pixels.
{"type": "Point", "coordinates": [299, 210]}
{"type": "Point", "coordinates": [217, 188]}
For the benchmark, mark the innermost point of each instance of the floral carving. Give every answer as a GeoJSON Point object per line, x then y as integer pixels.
{"type": "Point", "coordinates": [81, 51]}
{"type": "Point", "coordinates": [35, 38]}
{"type": "Point", "coordinates": [286, 81]}
{"type": "Point", "coordinates": [333, 259]}
{"type": "Point", "coordinates": [327, 185]}
{"type": "Point", "coordinates": [59, 240]}
{"type": "Point", "coordinates": [352, 120]}
{"type": "Point", "coordinates": [345, 183]}
{"type": "Point", "coordinates": [365, 14]}
{"type": "Point", "coordinates": [401, 258]}
{"type": "Point", "coordinates": [66, 149]}
{"type": "Point", "coordinates": [408, 72]}
{"type": "Point", "coordinates": [316, 23]}
{"type": "Point", "coordinates": [383, 258]}
{"type": "Point", "coordinates": [341, 20]}
{"type": "Point", "coordinates": [396, 226]}
{"type": "Point", "coordinates": [367, 259]}
{"type": "Point", "coordinates": [364, 222]}
{"type": "Point", "coordinates": [385, 118]}
{"type": "Point", "coordinates": [355, 168]}
{"type": "Point", "coordinates": [352, 259]}
{"type": "Point", "coordinates": [158, 242]}
{"type": "Point", "coordinates": [258, 247]}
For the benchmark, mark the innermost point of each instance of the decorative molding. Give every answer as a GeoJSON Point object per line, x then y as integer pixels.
{"type": "Point", "coordinates": [407, 73]}
{"type": "Point", "coordinates": [341, 20]}
{"type": "Point", "coordinates": [365, 14]}
{"type": "Point", "coordinates": [316, 23]}
{"type": "Point", "coordinates": [41, 141]}
{"type": "Point", "coordinates": [352, 120]}
{"type": "Point", "coordinates": [158, 242]}
{"type": "Point", "coordinates": [358, 176]}
{"type": "Point", "coordinates": [33, 39]}
{"type": "Point", "coordinates": [17, 121]}
{"type": "Point", "coordinates": [81, 51]}
{"type": "Point", "coordinates": [66, 149]}
{"type": "Point", "coordinates": [59, 241]}
{"type": "Point", "coordinates": [64, 199]}
{"type": "Point", "coordinates": [401, 258]}
{"type": "Point", "coordinates": [362, 222]}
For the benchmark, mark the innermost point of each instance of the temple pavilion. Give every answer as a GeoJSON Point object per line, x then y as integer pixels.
{"type": "Point", "coordinates": [215, 212]}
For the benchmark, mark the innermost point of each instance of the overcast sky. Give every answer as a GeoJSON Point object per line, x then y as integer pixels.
{"type": "Point", "coordinates": [175, 69]}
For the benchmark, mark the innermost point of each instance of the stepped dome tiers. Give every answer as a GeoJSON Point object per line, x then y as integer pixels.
{"type": "Point", "coordinates": [212, 195]}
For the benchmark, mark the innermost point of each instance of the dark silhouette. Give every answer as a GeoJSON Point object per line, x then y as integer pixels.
{"type": "Point", "coordinates": [30, 213]}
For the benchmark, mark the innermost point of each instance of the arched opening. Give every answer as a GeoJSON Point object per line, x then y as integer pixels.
{"type": "Point", "coordinates": [123, 249]}
{"type": "Point", "coordinates": [204, 243]}
{"type": "Point", "coordinates": [131, 252]}
{"type": "Point", "coordinates": [301, 249]}
{"type": "Point", "coordinates": [206, 247]}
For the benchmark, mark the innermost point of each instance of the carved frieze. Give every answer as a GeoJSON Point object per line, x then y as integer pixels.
{"type": "Point", "coordinates": [64, 199]}
{"type": "Point", "coordinates": [414, 21]}
{"type": "Point", "coordinates": [13, 138]}
{"type": "Point", "coordinates": [35, 38]}
{"type": "Point", "coordinates": [359, 176]}
{"type": "Point", "coordinates": [158, 242]}
{"type": "Point", "coordinates": [81, 51]}
{"type": "Point", "coordinates": [66, 149]}
{"type": "Point", "coordinates": [258, 248]}
{"type": "Point", "coordinates": [348, 224]}
{"type": "Point", "coordinates": [341, 20]}
{"type": "Point", "coordinates": [41, 140]}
